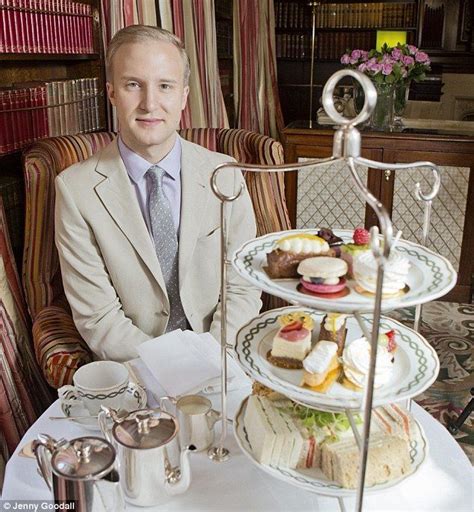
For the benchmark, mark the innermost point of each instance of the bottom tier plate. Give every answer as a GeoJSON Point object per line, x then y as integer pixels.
{"type": "Point", "coordinates": [314, 480]}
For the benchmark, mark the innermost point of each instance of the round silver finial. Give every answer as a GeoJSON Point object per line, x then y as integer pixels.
{"type": "Point", "coordinates": [369, 102]}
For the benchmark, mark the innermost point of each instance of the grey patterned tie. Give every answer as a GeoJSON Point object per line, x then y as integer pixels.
{"type": "Point", "coordinates": [166, 245]}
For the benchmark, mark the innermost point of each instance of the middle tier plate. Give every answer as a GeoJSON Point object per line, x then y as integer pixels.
{"type": "Point", "coordinates": [415, 368]}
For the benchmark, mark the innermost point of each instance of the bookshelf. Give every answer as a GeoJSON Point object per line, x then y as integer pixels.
{"type": "Point", "coordinates": [52, 83]}
{"type": "Point", "coordinates": [225, 50]}
{"type": "Point", "coordinates": [338, 25]}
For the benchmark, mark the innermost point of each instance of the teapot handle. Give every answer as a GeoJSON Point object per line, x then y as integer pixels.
{"type": "Point", "coordinates": [164, 400]}
{"type": "Point", "coordinates": [43, 449]}
{"type": "Point", "coordinates": [104, 415]}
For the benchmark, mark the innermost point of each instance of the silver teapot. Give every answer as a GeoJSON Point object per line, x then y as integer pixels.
{"type": "Point", "coordinates": [152, 465]}
{"type": "Point", "coordinates": [81, 471]}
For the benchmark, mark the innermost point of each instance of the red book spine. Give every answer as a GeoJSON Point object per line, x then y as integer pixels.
{"type": "Point", "coordinates": [47, 27]}
{"type": "Point", "coordinates": [27, 16]}
{"type": "Point", "coordinates": [3, 123]}
{"type": "Point", "coordinates": [14, 118]}
{"type": "Point", "coordinates": [42, 112]}
{"type": "Point", "coordinates": [69, 34]}
{"type": "Point", "coordinates": [56, 43]}
{"type": "Point", "coordinates": [75, 40]}
{"type": "Point", "coordinates": [90, 37]}
{"type": "Point", "coordinates": [11, 28]}
{"type": "Point", "coordinates": [81, 29]}
{"type": "Point", "coordinates": [28, 117]}
{"type": "Point", "coordinates": [51, 27]}
{"type": "Point", "coordinates": [43, 29]}
{"type": "Point", "coordinates": [17, 16]}
{"type": "Point", "coordinates": [22, 26]}
{"type": "Point", "coordinates": [67, 8]}
{"type": "Point", "coordinates": [63, 27]}
{"type": "Point", "coordinates": [3, 31]}
{"type": "Point", "coordinates": [34, 18]}
{"type": "Point", "coordinates": [60, 20]}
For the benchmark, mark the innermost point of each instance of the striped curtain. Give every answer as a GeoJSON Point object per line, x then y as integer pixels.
{"type": "Point", "coordinates": [193, 21]}
{"type": "Point", "coordinates": [117, 14]}
{"type": "Point", "coordinates": [257, 104]}
{"type": "Point", "coordinates": [24, 394]}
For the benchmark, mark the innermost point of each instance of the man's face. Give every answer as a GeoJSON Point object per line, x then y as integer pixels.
{"type": "Point", "coordinates": [147, 89]}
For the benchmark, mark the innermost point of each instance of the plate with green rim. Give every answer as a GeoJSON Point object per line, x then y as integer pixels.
{"type": "Point", "coordinates": [430, 276]}
{"type": "Point", "coordinates": [313, 479]}
{"type": "Point", "coordinates": [415, 367]}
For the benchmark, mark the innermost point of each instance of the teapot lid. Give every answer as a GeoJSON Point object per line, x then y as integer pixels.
{"type": "Point", "coordinates": [84, 458]}
{"type": "Point", "coordinates": [146, 428]}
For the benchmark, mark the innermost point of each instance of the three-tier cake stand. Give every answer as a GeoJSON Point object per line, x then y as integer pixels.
{"type": "Point", "coordinates": [430, 277]}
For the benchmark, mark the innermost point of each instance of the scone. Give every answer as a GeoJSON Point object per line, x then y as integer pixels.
{"type": "Point", "coordinates": [290, 250]}
{"type": "Point", "coordinates": [323, 275]}
{"type": "Point", "coordinates": [292, 342]}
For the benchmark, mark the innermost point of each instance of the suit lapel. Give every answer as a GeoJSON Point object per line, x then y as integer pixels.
{"type": "Point", "coordinates": [119, 198]}
{"type": "Point", "coordinates": [195, 190]}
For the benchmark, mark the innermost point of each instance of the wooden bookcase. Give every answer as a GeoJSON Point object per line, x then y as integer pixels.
{"type": "Point", "coordinates": [27, 67]}
{"type": "Point", "coordinates": [338, 25]}
{"type": "Point", "coordinates": [440, 27]}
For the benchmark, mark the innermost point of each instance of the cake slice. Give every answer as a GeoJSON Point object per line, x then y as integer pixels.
{"type": "Point", "coordinates": [333, 328]}
{"type": "Point", "coordinates": [290, 250]}
{"type": "Point", "coordinates": [292, 342]}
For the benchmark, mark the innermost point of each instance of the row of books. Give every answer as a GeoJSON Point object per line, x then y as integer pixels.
{"type": "Point", "coordinates": [332, 45]}
{"type": "Point", "coordinates": [348, 15]}
{"type": "Point", "coordinates": [293, 46]}
{"type": "Point", "coordinates": [36, 110]}
{"type": "Point", "coordinates": [367, 15]}
{"type": "Point", "coordinates": [46, 26]}
{"type": "Point", "coordinates": [292, 14]}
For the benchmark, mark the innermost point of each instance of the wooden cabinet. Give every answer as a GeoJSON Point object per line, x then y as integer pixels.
{"type": "Point", "coordinates": [326, 198]}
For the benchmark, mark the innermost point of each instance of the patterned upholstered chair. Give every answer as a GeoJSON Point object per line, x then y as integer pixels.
{"type": "Point", "coordinates": [59, 348]}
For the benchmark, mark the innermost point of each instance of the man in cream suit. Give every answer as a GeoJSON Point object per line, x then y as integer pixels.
{"type": "Point", "coordinates": [138, 220]}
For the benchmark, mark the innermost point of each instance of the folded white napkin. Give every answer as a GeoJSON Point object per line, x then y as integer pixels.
{"type": "Point", "coordinates": [184, 362]}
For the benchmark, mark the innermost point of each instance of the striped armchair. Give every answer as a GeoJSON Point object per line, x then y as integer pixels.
{"type": "Point", "coordinates": [59, 348]}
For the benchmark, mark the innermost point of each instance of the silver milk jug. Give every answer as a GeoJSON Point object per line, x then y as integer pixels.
{"type": "Point", "coordinates": [152, 465]}
{"type": "Point", "coordinates": [81, 471]}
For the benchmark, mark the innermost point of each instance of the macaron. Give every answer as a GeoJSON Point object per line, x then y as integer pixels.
{"type": "Point", "coordinates": [323, 274]}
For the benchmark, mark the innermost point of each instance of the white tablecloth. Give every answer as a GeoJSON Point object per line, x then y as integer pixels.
{"type": "Point", "coordinates": [443, 483]}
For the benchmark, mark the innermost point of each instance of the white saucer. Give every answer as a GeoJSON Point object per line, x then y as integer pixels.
{"type": "Point", "coordinates": [135, 398]}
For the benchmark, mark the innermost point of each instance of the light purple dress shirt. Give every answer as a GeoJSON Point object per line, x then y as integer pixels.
{"type": "Point", "coordinates": [137, 167]}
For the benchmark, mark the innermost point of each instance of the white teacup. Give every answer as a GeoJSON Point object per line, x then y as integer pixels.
{"type": "Point", "coordinates": [98, 383]}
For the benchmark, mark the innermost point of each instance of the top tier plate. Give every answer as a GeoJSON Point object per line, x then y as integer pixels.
{"type": "Point", "coordinates": [430, 276]}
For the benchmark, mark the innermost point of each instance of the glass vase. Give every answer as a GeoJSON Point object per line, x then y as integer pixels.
{"type": "Point", "coordinates": [381, 119]}
{"type": "Point", "coordinates": [402, 91]}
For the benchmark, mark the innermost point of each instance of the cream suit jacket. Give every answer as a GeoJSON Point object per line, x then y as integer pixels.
{"type": "Point", "coordinates": [111, 275]}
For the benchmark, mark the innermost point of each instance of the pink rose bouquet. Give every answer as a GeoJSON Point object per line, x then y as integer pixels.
{"type": "Point", "coordinates": [402, 63]}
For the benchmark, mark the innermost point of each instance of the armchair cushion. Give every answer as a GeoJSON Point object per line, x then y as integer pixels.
{"type": "Point", "coordinates": [59, 348]}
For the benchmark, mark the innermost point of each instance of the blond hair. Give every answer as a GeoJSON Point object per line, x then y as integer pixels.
{"type": "Point", "coordinates": [142, 33]}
